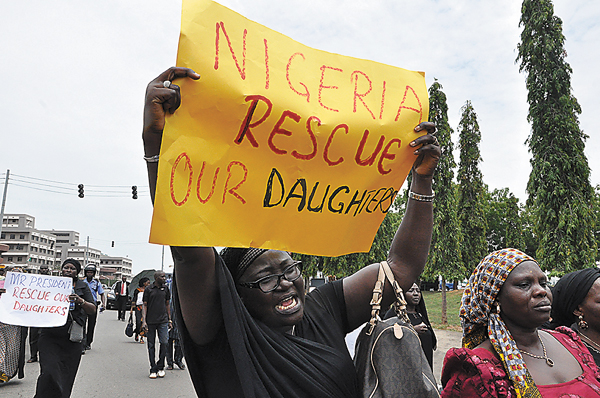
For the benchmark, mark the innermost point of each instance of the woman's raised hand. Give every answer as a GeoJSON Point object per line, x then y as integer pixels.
{"type": "Point", "coordinates": [429, 152]}
{"type": "Point", "coordinates": [162, 97]}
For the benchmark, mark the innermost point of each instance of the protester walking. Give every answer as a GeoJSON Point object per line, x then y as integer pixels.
{"type": "Point", "coordinates": [97, 290]}
{"type": "Point", "coordinates": [59, 354]}
{"type": "Point", "coordinates": [122, 295]}
{"type": "Point", "coordinates": [137, 303]}
{"type": "Point", "coordinates": [156, 319]}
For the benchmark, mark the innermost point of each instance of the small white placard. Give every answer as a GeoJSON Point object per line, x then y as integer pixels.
{"type": "Point", "coordinates": [35, 300]}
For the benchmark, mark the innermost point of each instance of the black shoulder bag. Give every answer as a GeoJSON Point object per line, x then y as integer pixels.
{"type": "Point", "coordinates": [389, 359]}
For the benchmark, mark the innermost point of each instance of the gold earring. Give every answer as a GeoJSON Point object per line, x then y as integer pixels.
{"type": "Point", "coordinates": [582, 324]}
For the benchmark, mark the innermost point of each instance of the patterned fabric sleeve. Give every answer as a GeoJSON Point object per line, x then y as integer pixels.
{"type": "Point", "coordinates": [474, 373]}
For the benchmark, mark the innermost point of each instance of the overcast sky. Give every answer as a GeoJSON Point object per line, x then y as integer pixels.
{"type": "Point", "coordinates": [74, 75]}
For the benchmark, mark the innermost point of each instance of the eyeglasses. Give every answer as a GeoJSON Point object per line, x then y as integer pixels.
{"type": "Point", "coordinates": [271, 282]}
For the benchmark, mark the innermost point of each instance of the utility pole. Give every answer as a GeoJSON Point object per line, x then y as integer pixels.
{"type": "Point", "coordinates": [87, 247]}
{"type": "Point", "coordinates": [4, 199]}
{"type": "Point", "coordinates": [162, 263]}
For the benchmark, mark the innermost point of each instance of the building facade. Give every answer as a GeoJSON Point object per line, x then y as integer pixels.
{"type": "Point", "coordinates": [28, 247]}
{"type": "Point", "coordinates": [115, 267]}
{"type": "Point", "coordinates": [67, 246]}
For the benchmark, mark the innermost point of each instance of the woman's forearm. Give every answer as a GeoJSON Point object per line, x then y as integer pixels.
{"type": "Point", "coordinates": [410, 246]}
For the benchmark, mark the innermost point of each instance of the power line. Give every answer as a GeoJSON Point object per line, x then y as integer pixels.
{"type": "Point", "coordinates": [40, 189]}
{"type": "Point", "coordinates": [114, 191]}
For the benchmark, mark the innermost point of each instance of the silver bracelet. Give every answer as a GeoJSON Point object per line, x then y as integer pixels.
{"type": "Point", "coordinates": [420, 197]}
{"type": "Point", "coordinates": [151, 159]}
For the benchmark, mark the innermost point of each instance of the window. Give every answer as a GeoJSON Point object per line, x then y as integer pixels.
{"type": "Point", "coordinates": [9, 259]}
{"type": "Point", "coordinates": [21, 236]}
{"type": "Point", "coordinates": [19, 259]}
{"type": "Point", "coordinates": [3, 236]}
{"type": "Point", "coordinates": [12, 236]}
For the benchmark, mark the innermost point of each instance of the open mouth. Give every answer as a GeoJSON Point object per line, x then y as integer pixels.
{"type": "Point", "coordinates": [288, 305]}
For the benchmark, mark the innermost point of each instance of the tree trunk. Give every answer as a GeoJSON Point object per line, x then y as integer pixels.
{"type": "Point", "coordinates": [444, 305]}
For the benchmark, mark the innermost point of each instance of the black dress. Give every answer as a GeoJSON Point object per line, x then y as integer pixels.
{"type": "Point", "coordinates": [59, 356]}
{"type": "Point", "coordinates": [428, 339]}
{"type": "Point", "coordinates": [248, 359]}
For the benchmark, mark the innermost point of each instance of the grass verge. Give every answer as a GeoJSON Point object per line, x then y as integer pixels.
{"type": "Point", "coordinates": [433, 302]}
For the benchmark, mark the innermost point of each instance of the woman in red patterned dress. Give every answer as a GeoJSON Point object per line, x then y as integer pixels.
{"type": "Point", "coordinates": [504, 353]}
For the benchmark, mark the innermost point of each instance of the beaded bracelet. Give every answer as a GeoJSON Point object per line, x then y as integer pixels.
{"type": "Point", "coordinates": [420, 197]}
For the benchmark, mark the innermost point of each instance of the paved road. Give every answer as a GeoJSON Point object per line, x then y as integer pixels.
{"type": "Point", "coordinates": [116, 367]}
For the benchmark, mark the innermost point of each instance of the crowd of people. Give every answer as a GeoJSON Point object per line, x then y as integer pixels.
{"type": "Point", "coordinates": [247, 328]}
{"type": "Point", "coordinates": [59, 353]}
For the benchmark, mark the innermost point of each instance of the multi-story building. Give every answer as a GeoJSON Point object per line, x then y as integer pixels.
{"type": "Point", "coordinates": [30, 248]}
{"type": "Point", "coordinates": [115, 267]}
{"type": "Point", "coordinates": [27, 246]}
{"type": "Point", "coordinates": [67, 246]}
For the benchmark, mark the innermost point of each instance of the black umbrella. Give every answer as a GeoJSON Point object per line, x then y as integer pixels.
{"type": "Point", "coordinates": [148, 273]}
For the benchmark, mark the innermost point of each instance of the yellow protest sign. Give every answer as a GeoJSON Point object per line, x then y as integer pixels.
{"type": "Point", "coordinates": [279, 145]}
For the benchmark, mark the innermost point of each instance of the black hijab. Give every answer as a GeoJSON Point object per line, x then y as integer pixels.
{"type": "Point", "coordinates": [569, 293]}
{"type": "Point", "coordinates": [269, 363]}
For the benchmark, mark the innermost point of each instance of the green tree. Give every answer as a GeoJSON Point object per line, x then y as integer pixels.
{"type": "Point", "coordinates": [559, 186]}
{"type": "Point", "coordinates": [444, 256]}
{"type": "Point", "coordinates": [528, 230]}
{"type": "Point", "coordinates": [471, 190]}
{"type": "Point", "coordinates": [504, 224]}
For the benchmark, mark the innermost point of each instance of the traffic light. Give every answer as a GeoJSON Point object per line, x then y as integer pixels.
{"type": "Point", "coordinates": [80, 186]}
{"type": "Point", "coordinates": [134, 192]}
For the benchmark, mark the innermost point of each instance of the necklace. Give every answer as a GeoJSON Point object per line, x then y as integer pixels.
{"type": "Point", "coordinates": [589, 342]}
{"type": "Point", "coordinates": [549, 361]}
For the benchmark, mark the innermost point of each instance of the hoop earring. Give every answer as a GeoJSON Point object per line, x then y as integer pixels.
{"type": "Point", "coordinates": [582, 324]}
{"type": "Point", "coordinates": [498, 309]}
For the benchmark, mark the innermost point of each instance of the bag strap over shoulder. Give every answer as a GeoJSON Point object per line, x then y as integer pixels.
{"type": "Point", "coordinates": [400, 303]}
{"type": "Point", "coordinates": [376, 300]}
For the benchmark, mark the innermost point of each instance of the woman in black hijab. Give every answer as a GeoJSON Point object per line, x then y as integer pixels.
{"type": "Point", "coordinates": [248, 329]}
{"type": "Point", "coordinates": [576, 304]}
{"type": "Point", "coordinates": [59, 356]}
